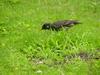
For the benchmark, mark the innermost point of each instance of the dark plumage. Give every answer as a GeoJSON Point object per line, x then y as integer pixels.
{"type": "Point", "coordinates": [59, 24]}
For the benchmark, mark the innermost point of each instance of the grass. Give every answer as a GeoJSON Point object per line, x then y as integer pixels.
{"type": "Point", "coordinates": [27, 50]}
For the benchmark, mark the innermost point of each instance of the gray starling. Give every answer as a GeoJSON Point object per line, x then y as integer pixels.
{"type": "Point", "coordinates": [60, 24]}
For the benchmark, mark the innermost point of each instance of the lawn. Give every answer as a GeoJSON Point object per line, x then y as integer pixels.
{"type": "Point", "coordinates": [25, 49]}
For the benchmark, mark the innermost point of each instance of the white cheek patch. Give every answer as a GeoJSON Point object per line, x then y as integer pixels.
{"type": "Point", "coordinates": [47, 26]}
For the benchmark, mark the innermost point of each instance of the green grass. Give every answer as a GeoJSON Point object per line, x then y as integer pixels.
{"type": "Point", "coordinates": [25, 49]}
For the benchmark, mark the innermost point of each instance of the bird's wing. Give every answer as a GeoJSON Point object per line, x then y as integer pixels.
{"type": "Point", "coordinates": [60, 23]}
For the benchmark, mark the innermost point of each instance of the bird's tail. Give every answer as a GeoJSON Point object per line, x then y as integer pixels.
{"type": "Point", "coordinates": [77, 22]}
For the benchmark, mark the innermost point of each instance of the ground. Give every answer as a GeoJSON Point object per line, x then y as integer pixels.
{"type": "Point", "coordinates": [25, 49]}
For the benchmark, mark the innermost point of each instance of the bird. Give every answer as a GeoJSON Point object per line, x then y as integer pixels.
{"type": "Point", "coordinates": [60, 24]}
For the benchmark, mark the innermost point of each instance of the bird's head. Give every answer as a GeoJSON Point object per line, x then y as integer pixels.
{"type": "Point", "coordinates": [46, 26]}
